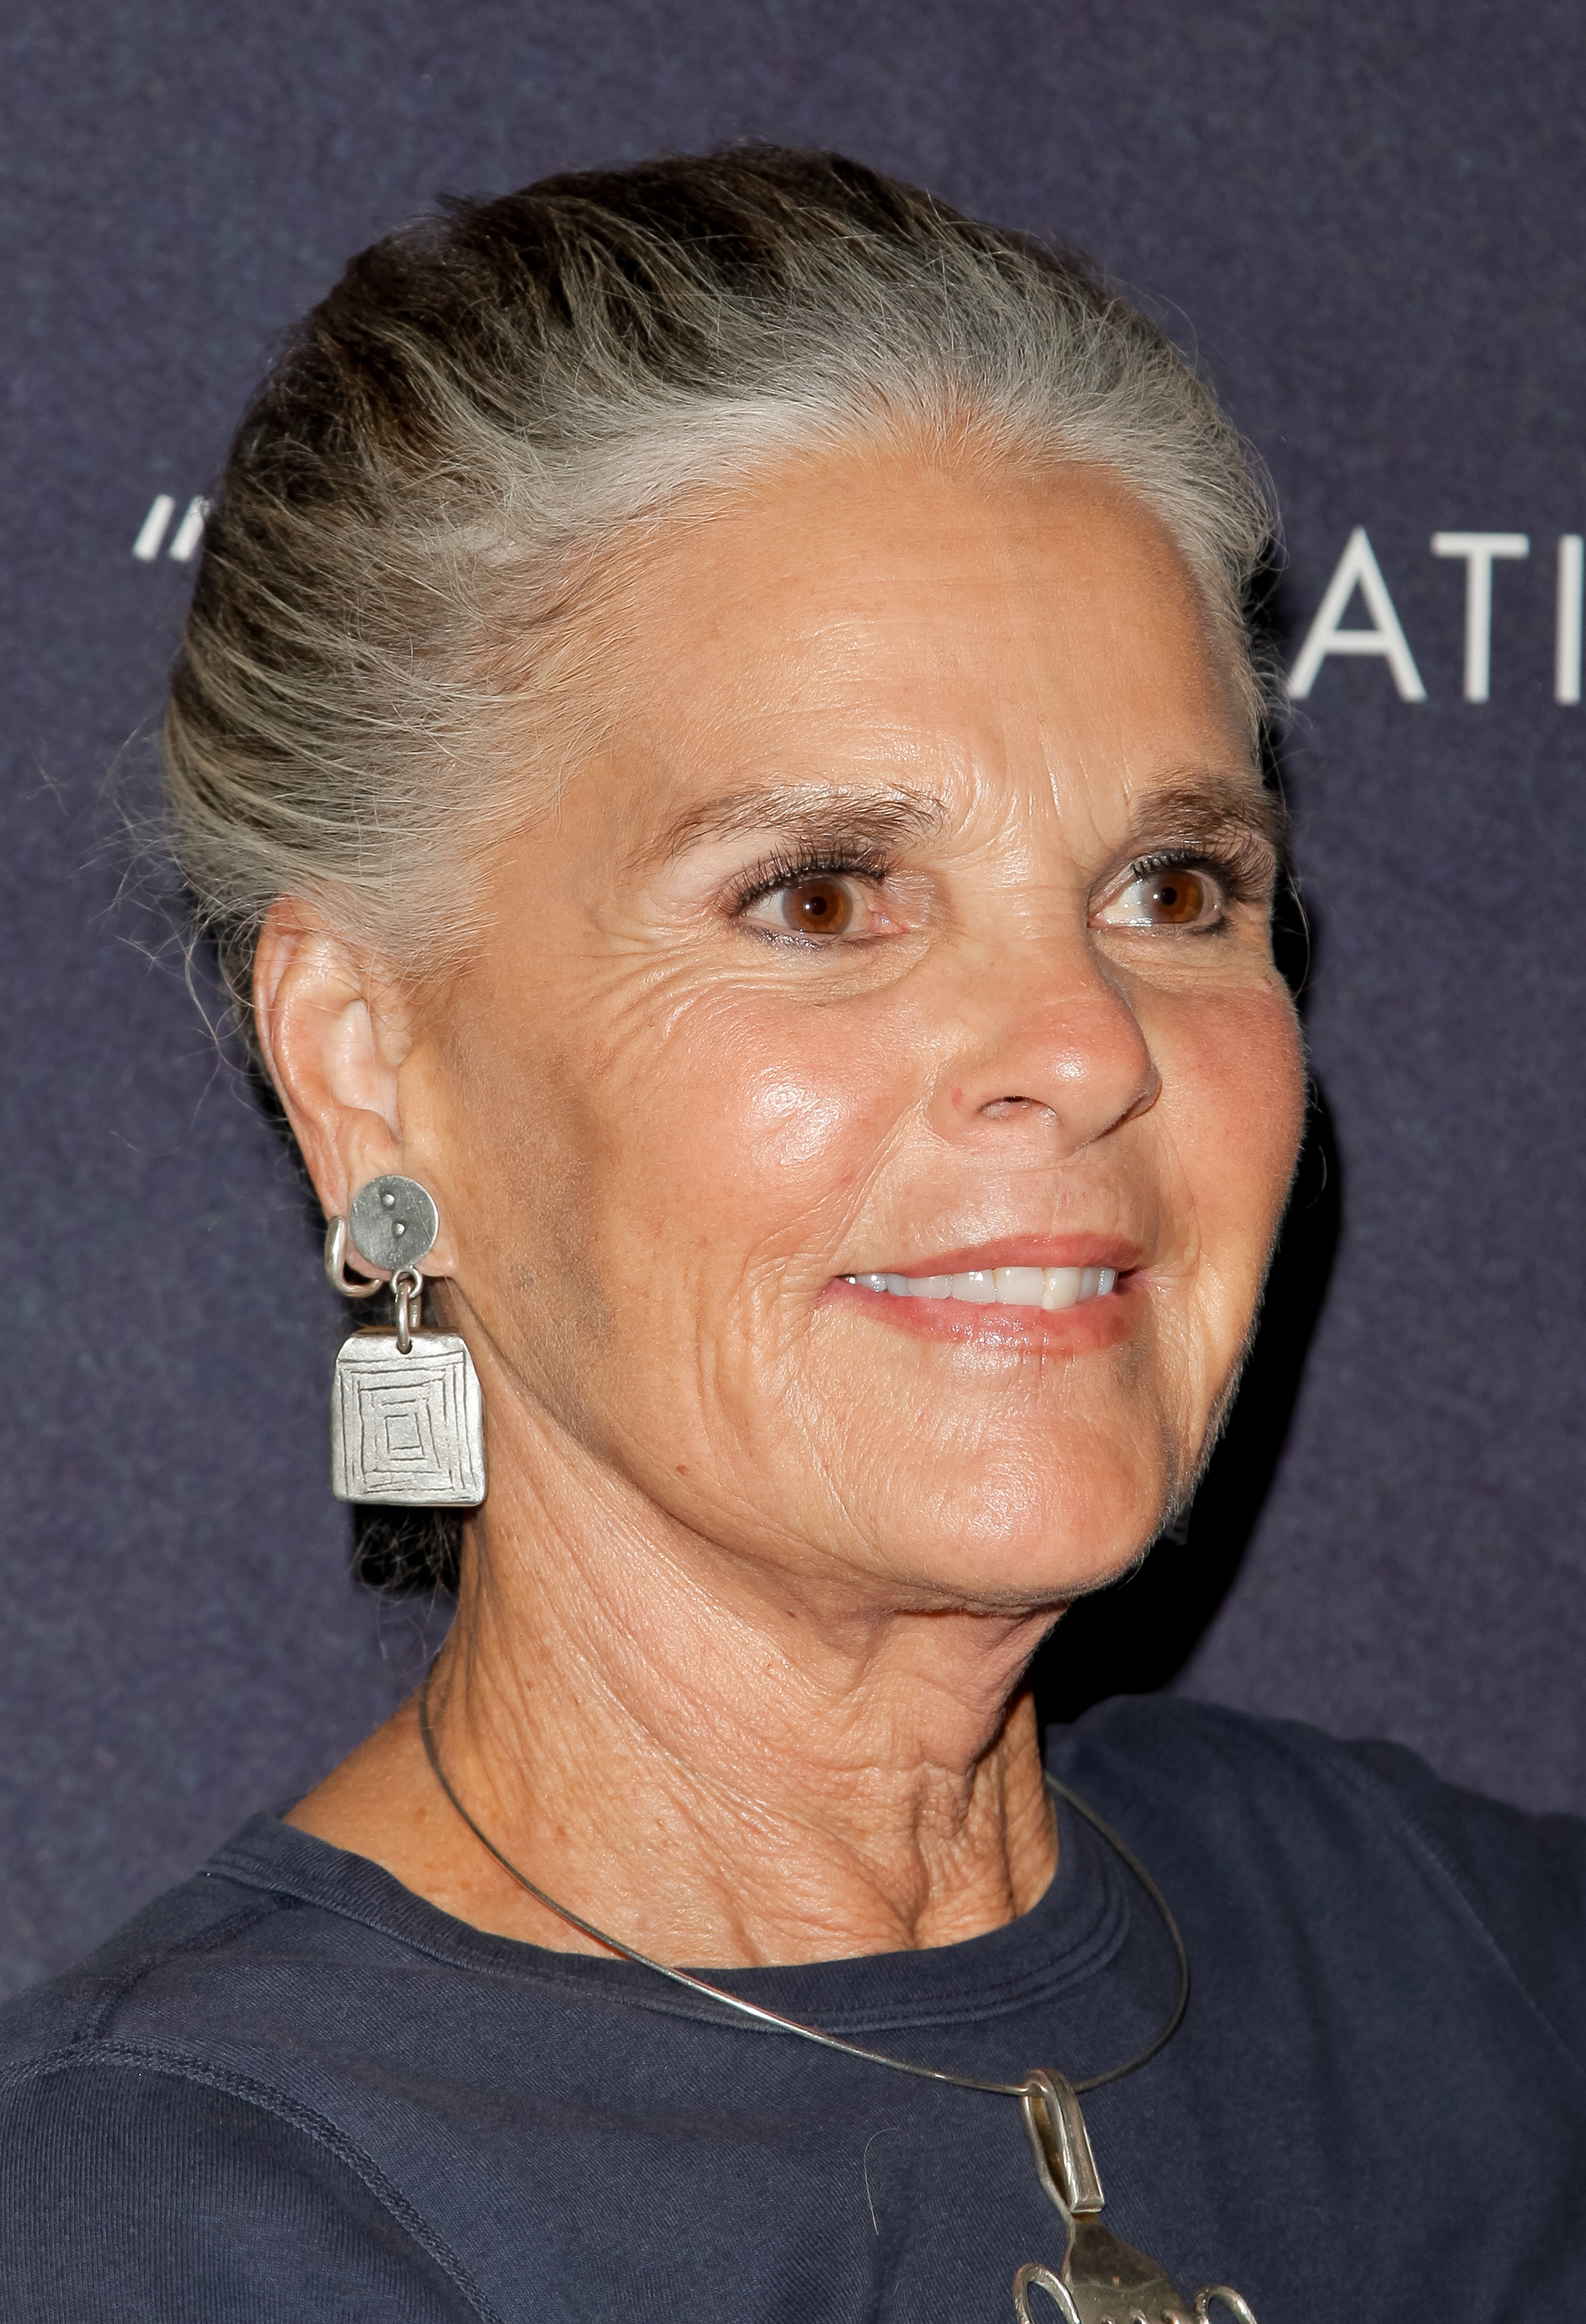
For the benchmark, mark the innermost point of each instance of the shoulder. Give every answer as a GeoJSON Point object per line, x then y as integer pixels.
{"type": "Point", "coordinates": [1239, 1773]}
{"type": "Point", "coordinates": [1359, 1844]}
{"type": "Point", "coordinates": [58, 2017]}
{"type": "Point", "coordinates": [156, 2161]}
{"type": "Point", "coordinates": [133, 2187]}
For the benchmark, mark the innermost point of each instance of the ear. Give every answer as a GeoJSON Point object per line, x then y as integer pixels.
{"type": "Point", "coordinates": [334, 1034]}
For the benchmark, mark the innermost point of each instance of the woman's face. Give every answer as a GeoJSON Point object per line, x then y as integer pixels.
{"type": "Point", "coordinates": [910, 924]}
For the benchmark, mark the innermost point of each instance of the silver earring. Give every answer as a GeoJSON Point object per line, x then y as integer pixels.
{"type": "Point", "coordinates": [406, 1415]}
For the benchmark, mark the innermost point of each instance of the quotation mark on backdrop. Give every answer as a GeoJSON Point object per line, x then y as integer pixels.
{"type": "Point", "coordinates": [184, 541]}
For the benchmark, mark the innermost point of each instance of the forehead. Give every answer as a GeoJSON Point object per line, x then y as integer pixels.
{"type": "Point", "coordinates": [979, 625]}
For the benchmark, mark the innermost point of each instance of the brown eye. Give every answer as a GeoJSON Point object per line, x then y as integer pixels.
{"type": "Point", "coordinates": [817, 906]}
{"type": "Point", "coordinates": [1176, 895]}
{"type": "Point", "coordinates": [1175, 899]}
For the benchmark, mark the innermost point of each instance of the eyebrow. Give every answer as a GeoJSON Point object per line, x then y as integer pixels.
{"type": "Point", "coordinates": [1209, 808]}
{"type": "Point", "coordinates": [820, 814]}
{"type": "Point", "coordinates": [1203, 809]}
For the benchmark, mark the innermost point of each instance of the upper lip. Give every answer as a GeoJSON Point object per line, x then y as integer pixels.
{"type": "Point", "coordinates": [1115, 1251]}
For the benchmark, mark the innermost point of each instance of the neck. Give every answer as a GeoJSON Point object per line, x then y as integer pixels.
{"type": "Point", "coordinates": [718, 1760]}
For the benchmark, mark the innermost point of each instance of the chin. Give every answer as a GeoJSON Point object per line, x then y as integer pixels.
{"type": "Point", "coordinates": [998, 1545]}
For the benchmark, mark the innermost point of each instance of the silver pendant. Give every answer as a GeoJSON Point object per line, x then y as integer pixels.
{"type": "Point", "coordinates": [1101, 2281]}
{"type": "Point", "coordinates": [407, 1424]}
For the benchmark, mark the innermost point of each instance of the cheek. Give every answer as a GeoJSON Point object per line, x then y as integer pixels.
{"type": "Point", "coordinates": [1236, 1074]}
{"type": "Point", "coordinates": [752, 1126]}
{"type": "Point", "coordinates": [789, 1124]}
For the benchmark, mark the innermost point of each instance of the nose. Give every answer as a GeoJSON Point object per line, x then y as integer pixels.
{"type": "Point", "coordinates": [1048, 1052]}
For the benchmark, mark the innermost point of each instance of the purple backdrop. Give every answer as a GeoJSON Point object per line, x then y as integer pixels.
{"type": "Point", "coordinates": [1367, 219]}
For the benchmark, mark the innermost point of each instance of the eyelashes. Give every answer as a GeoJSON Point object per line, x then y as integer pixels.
{"type": "Point", "coordinates": [1184, 891]}
{"type": "Point", "coordinates": [1243, 869]}
{"type": "Point", "coordinates": [1196, 885]}
{"type": "Point", "coordinates": [788, 866]}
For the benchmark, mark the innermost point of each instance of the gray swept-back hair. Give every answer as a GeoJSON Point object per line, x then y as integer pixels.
{"type": "Point", "coordinates": [383, 648]}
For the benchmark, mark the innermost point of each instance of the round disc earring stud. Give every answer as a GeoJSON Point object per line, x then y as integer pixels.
{"type": "Point", "coordinates": [394, 1221]}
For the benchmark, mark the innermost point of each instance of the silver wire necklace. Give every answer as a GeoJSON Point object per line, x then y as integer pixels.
{"type": "Point", "coordinates": [1100, 2280]}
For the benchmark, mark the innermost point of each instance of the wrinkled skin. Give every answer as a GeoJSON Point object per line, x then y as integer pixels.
{"type": "Point", "coordinates": [844, 955]}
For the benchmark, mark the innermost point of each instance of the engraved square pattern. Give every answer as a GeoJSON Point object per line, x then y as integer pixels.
{"type": "Point", "coordinates": [406, 1428]}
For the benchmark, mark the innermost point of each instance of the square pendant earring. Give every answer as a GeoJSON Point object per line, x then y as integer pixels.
{"type": "Point", "coordinates": [406, 1421]}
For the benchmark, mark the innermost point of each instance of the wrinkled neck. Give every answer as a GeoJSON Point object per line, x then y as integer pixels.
{"type": "Point", "coordinates": [723, 1758]}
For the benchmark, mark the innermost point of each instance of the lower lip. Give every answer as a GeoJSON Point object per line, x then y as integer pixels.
{"type": "Point", "coordinates": [1080, 1330]}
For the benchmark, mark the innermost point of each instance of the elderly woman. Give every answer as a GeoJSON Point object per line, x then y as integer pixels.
{"type": "Point", "coordinates": [717, 742]}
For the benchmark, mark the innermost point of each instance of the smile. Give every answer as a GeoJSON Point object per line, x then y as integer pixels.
{"type": "Point", "coordinates": [1050, 1288]}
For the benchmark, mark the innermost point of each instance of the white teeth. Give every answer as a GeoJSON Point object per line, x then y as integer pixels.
{"type": "Point", "coordinates": [978, 1287]}
{"type": "Point", "coordinates": [1050, 1287]}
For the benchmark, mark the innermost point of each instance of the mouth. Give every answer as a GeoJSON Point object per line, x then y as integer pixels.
{"type": "Point", "coordinates": [1050, 1288]}
{"type": "Point", "coordinates": [1072, 1298]}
